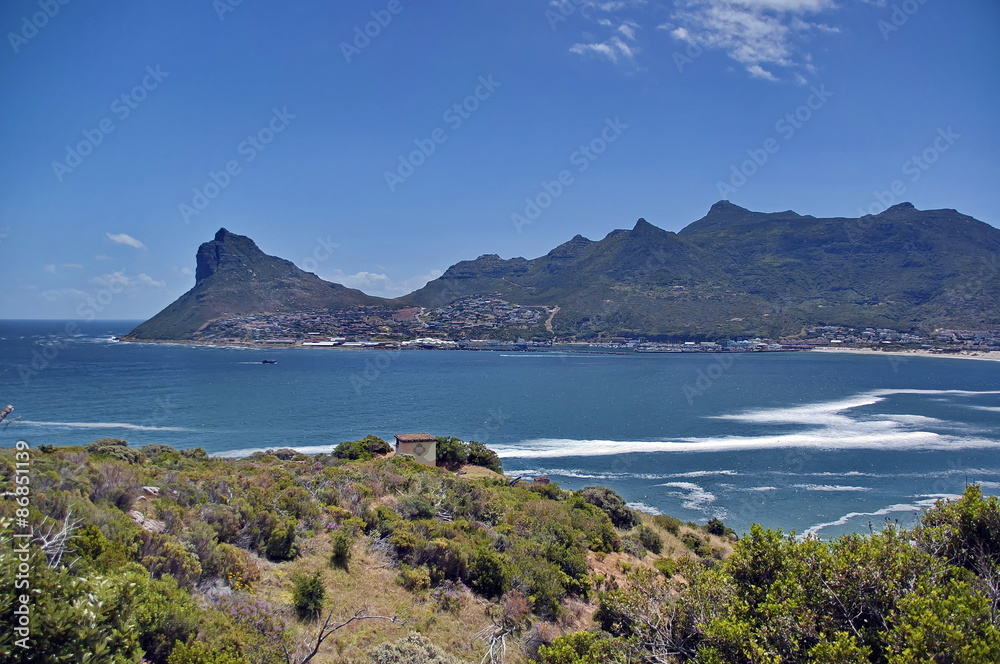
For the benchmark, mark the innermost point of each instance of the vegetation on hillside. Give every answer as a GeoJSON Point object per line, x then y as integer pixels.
{"type": "Point", "coordinates": [177, 558]}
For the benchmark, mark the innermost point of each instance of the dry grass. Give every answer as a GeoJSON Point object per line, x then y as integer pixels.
{"type": "Point", "coordinates": [477, 472]}
{"type": "Point", "coordinates": [370, 584]}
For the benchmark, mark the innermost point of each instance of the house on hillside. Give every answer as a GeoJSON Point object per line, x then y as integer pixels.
{"type": "Point", "coordinates": [422, 446]}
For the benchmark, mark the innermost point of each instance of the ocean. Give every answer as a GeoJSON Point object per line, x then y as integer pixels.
{"type": "Point", "coordinates": [818, 443]}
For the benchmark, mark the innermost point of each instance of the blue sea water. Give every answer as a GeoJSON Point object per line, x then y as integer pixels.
{"type": "Point", "coordinates": [811, 442]}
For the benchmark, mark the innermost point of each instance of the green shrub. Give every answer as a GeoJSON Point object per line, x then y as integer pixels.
{"type": "Point", "coordinates": [90, 544]}
{"type": "Point", "coordinates": [352, 451]}
{"type": "Point", "coordinates": [116, 448]}
{"type": "Point", "coordinates": [164, 614]}
{"type": "Point", "coordinates": [488, 573]}
{"type": "Point", "coordinates": [612, 504]}
{"type": "Point", "coordinates": [361, 450]}
{"type": "Point", "coordinates": [235, 567]}
{"type": "Point", "coordinates": [633, 547]}
{"type": "Point", "coordinates": [414, 579]}
{"type": "Point", "coordinates": [285, 454]}
{"type": "Point", "coordinates": [158, 453]}
{"type": "Point", "coordinates": [73, 618]}
{"type": "Point", "coordinates": [480, 455]}
{"type": "Point", "coordinates": [445, 559]}
{"type": "Point", "coordinates": [308, 595]}
{"type": "Point", "coordinates": [341, 542]}
{"type": "Point", "coordinates": [668, 523]}
{"type": "Point", "coordinates": [666, 566]}
{"type": "Point", "coordinates": [168, 556]}
{"type": "Point", "coordinates": [376, 445]}
{"type": "Point", "coordinates": [199, 652]}
{"type": "Point", "coordinates": [281, 540]}
{"type": "Point", "coordinates": [451, 452]}
{"type": "Point", "coordinates": [650, 539]}
{"type": "Point", "coordinates": [195, 454]}
{"type": "Point", "coordinates": [416, 507]}
{"type": "Point", "coordinates": [691, 541]}
{"type": "Point", "coordinates": [581, 648]}
{"type": "Point", "coordinates": [716, 527]}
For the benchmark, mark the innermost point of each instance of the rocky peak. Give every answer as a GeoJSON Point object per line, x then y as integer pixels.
{"type": "Point", "coordinates": [227, 249]}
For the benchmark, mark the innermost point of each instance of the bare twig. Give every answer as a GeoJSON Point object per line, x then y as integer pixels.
{"type": "Point", "coordinates": [53, 542]}
{"type": "Point", "coordinates": [309, 648]}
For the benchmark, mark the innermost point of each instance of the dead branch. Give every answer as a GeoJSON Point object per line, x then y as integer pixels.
{"type": "Point", "coordinates": [53, 542]}
{"type": "Point", "coordinates": [309, 648]}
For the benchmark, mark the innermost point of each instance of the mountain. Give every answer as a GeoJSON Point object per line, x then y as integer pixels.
{"type": "Point", "coordinates": [235, 278]}
{"type": "Point", "coordinates": [732, 273]}
{"type": "Point", "coordinates": [737, 273]}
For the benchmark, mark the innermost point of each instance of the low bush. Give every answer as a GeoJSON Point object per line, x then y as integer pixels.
{"type": "Point", "coordinates": [580, 648]}
{"type": "Point", "coordinates": [414, 579]}
{"type": "Point", "coordinates": [116, 448]}
{"type": "Point", "coordinates": [308, 595]}
{"type": "Point", "coordinates": [362, 450]}
{"type": "Point", "coordinates": [341, 543]}
{"type": "Point", "coordinates": [413, 649]}
{"type": "Point", "coordinates": [612, 504]}
{"type": "Point", "coordinates": [416, 507]}
{"type": "Point", "coordinates": [480, 455]}
{"type": "Point", "coordinates": [650, 539]}
{"type": "Point", "coordinates": [668, 523]}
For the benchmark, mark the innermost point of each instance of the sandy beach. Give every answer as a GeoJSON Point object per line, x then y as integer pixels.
{"type": "Point", "coordinates": [964, 355]}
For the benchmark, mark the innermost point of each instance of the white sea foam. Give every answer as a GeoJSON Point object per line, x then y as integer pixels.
{"type": "Point", "coordinates": [100, 425]}
{"type": "Point", "coordinates": [550, 448]}
{"type": "Point", "coordinates": [825, 426]}
{"type": "Point", "coordinates": [991, 409]}
{"type": "Point", "coordinates": [901, 507]}
{"type": "Point", "coordinates": [850, 473]}
{"type": "Point", "coordinates": [693, 496]}
{"type": "Point", "coordinates": [643, 507]}
{"type": "Point", "coordinates": [302, 449]}
{"type": "Point", "coordinates": [761, 488]}
{"type": "Point", "coordinates": [829, 487]}
{"type": "Point", "coordinates": [588, 475]}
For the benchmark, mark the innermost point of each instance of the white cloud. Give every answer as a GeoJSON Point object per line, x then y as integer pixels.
{"type": "Point", "coordinates": [102, 257]}
{"type": "Point", "coordinates": [619, 44]}
{"type": "Point", "coordinates": [613, 49]}
{"type": "Point", "coordinates": [50, 268]}
{"type": "Point", "coordinates": [62, 294]}
{"type": "Point", "coordinates": [758, 34]}
{"type": "Point", "coordinates": [121, 280]}
{"type": "Point", "coordinates": [763, 36]}
{"type": "Point", "coordinates": [72, 266]}
{"type": "Point", "coordinates": [759, 72]}
{"type": "Point", "coordinates": [127, 240]}
{"type": "Point", "coordinates": [375, 283]}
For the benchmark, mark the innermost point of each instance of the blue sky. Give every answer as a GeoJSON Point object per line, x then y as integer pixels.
{"type": "Point", "coordinates": [134, 130]}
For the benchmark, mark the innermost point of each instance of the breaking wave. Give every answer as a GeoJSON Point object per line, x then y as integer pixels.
{"type": "Point", "coordinates": [826, 426]}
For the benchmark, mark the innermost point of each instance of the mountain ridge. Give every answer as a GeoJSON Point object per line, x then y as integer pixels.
{"type": "Point", "coordinates": [734, 272]}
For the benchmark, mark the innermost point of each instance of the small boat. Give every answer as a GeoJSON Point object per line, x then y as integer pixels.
{"type": "Point", "coordinates": [269, 362]}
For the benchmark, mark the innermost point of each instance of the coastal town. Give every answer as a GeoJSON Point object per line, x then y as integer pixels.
{"type": "Point", "coordinates": [491, 323]}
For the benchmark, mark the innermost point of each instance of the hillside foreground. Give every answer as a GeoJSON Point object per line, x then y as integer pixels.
{"type": "Point", "coordinates": [171, 557]}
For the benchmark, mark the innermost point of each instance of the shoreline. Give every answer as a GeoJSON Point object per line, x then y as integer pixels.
{"type": "Point", "coordinates": [989, 356]}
